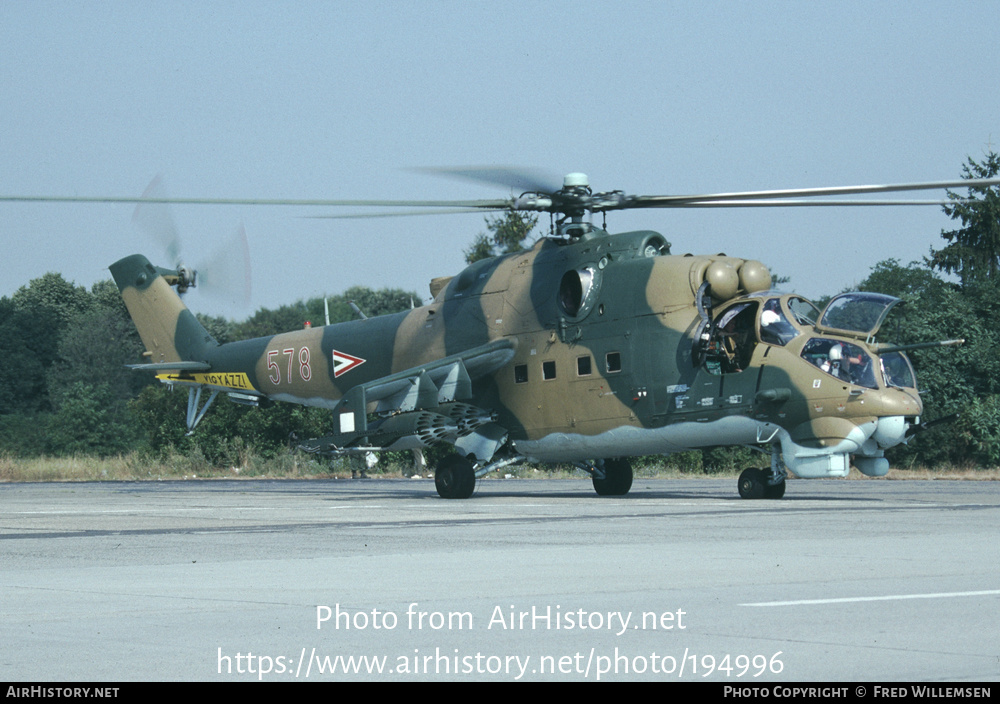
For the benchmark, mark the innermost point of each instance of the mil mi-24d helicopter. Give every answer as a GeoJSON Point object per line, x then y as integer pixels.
{"type": "Point", "coordinates": [589, 348]}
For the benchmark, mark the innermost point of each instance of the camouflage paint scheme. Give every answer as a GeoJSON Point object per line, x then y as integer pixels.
{"type": "Point", "coordinates": [586, 350]}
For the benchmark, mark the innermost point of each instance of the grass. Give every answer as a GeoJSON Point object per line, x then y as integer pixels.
{"type": "Point", "coordinates": [137, 467]}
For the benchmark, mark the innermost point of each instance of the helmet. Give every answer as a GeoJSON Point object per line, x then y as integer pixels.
{"type": "Point", "coordinates": [769, 317]}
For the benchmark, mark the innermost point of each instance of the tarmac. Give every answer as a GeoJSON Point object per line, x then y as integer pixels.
{"type": "Point", "coordinates": [869, 581]}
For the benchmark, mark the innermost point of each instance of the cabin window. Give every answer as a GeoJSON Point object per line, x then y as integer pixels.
{"type": "Point", "coordinates": [613, 362]}
{"type": "Point", "coordinates": [583, 366]}
{"type": "Point", "coordinates": [549, 370]}
{"type": "Point", "coordinates": [520, 373]}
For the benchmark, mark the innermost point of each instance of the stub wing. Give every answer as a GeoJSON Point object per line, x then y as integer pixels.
{"type": "Point", "coordinates": [446, 379]}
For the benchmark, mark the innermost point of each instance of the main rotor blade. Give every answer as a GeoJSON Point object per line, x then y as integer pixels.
{"type": "Point", "coordinates": [692, 200]}
{"type": "Point", "coordinates": [519, 180]}
{"type": "Point", "coordinates": [408, 213]}
{"type": "Point", "coordinates": [472, 204]}
{"type": "Point", "coordinates": [806, 203]}
{"type": "Point", "coordinates": [535, 183]}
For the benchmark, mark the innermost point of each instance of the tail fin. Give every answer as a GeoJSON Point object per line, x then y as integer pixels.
{"type": "Point", "coordinates": [168, 329]}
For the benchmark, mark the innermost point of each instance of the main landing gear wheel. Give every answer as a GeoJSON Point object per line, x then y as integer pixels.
{"type": "Point", "coordinates": [753, 485]}
{"type": "Point", "coordinates": [455, 478]}
{"type": "Point", "coordinates": [617, 478]}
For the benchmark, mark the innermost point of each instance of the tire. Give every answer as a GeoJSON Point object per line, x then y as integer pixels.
{"type": "Point", "coordinates": [617, 478]}
{"type": "Point", "coordinates": [455, 478]}
{"type": "Point", "coordinates": [774, 491]}
{"type": "Point", "coordinates": [752, 483]}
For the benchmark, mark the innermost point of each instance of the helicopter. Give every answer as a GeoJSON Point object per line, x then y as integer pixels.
{"type": "Point", "coordinates": [589, 348]}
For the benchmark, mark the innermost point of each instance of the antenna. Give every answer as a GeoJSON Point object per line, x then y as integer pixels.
{"type": "Point", "coordinates": [354, 307]}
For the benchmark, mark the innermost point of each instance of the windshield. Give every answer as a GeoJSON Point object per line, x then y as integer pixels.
{"type": "Point", "coordinates": [897, 370]}
{"type": "Point", "coordinates": [774, 326]}
{"type": "Point", "coordinates": [805, 312]}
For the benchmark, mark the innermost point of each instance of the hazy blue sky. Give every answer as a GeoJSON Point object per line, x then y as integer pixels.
{"type": "Point", "coordinates": [339, 99]}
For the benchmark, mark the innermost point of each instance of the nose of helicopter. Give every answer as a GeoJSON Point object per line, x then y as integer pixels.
{"type": "Point", "coordinates": [897, 410]}
{"type": "Point", "coordinates": [899, 402]}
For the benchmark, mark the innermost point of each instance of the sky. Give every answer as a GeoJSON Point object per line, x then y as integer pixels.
{"type": "Point", "coordinates": [347, 100]}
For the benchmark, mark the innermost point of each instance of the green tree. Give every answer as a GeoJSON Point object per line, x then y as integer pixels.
{"type": "Point", "coordinates": [228, 431]}
{"type": "Point", "coordinates": [973, 250]}
{"type": "Point", "coordinates": [374, 302]}
{"type": "Point", "coordinates": [28, 346]}
{"type": "Point", "coordinates": [158, 414]}
{"type": "Point", "coordinates": [371, 302]}
{"type": "Point", "coordinates": [86, 422]}
{"type": "Point", "coordinates": [507, 233]}
{"type": "Point", "coordinates": [53, 295]}
{"type": "Point", "coordinates": [32, 323]}
{"type": "Point", "coordinates": [977, 432]}
{"type": "Point", "coordinates": [88, 383]}
{"type": "Point", "coordinates": [94, 349]}
{"type": "Point", "coordinates": [221, 329]}
{"type": "Point", "coordinates": [105, 294]}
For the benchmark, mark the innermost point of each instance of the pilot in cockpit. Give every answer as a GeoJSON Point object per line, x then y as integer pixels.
{"type": "Point", "coordinates": [774, 327]}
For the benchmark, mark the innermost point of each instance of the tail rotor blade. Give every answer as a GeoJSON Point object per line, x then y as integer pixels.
{"type": "Point", "coordinates": [153, 216]}
{"type": "Point", "coordinates": [226, 274]}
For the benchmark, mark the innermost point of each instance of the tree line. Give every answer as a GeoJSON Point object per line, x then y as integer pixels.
{"type": "Point", "coordinates": [65, 390]}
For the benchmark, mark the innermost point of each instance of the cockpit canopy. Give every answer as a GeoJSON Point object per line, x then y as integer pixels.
{"type": "Point", "coordinates": [726, 342]}
{"type": "Point", "coordinates": [857, 314]}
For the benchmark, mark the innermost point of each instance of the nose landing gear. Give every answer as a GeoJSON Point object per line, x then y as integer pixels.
{"type": "Point", "coordinates": [757, 483]}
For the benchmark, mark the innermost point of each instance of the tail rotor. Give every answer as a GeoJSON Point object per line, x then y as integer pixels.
{"type": "Point", "coordinates": [225, 275]}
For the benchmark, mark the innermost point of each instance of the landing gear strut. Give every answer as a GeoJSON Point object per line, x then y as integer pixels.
{"type": "Point", "coordinates": [455, 477]}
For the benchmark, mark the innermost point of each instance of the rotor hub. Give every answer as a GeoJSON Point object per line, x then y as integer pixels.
{"type": "Point", "coordinates": [575, 181]}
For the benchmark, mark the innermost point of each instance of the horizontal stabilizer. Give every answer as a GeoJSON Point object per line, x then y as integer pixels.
{"type": "Point", "coordinates": [169, 366]}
